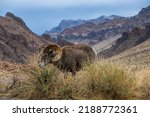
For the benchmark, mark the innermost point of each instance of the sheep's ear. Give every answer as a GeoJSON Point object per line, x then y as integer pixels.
{"type": "Point", "coordinates": [56, 48]}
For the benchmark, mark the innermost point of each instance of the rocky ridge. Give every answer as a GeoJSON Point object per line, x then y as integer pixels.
{"type": "Point", "coordinates": [17, 41]}
{"type": "Point", "coordinates": [127, 41]}
{"type": "Point", "coordinates": [93, 31]}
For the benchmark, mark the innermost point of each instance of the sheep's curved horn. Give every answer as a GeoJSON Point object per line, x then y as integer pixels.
{"type": "Point", "coordinates": [56, 48]}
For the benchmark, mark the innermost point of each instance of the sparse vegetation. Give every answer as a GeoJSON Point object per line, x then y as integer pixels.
{"type": "Point", "coordinates": [143, 84]}
{"type": "Point", "coordinates": [99, 80]}
{"type": "Point", "coordinates": [44, 83]}
{"type": "Point", "coordinates": [108, 81]}
{"type": "Point", "coordinates": [65, 92]}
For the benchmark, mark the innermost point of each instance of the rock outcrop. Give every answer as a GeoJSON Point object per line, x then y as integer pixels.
{"type": "Point", "coordinates": [93, 31]}
{"type": "Point", "coordinates": [127, 41]}
{"type": "Point", "coordinates": [17, 41]}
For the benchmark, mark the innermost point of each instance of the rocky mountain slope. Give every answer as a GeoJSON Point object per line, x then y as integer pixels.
{"type": "Point", "coordinates": [142, 18]}
{"type": "Point", "coordinates": [93, 31]}
{"type": "Point", "coordinates": [137, 57]}
{"type": "Point", "coordinates": [62, 42]}
{"type": "Point", "coordinates": [105, 44]}
{"type": "Point", "coordinates": [64, 24]}
{"type": "Point", "coordinates": [17, 41]}
{"type": "Point", "coordinates": [89, 31]}
{"type": "Point", "coordinates": [126, 41]}
{"type": "Point", "coordinates": [103, 19]}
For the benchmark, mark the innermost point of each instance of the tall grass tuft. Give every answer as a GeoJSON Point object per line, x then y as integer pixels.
{"type": "Point", "coordinates": [143, 88]}
{"type": "Point", "coordinates": [108, 81]}
{"type": "Point", "coordinates": [44, 83]}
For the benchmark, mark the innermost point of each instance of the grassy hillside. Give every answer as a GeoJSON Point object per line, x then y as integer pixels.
{"type": "Point", "coordinates": [138, 57]}
{"type": "Point", "coordinates": [99, 80]}
{"type": "Point", "coordinates": [125, 76]}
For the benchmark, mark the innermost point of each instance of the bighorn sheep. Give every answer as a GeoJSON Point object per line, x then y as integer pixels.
{"type": "Point", "coordinates": [68, 58]}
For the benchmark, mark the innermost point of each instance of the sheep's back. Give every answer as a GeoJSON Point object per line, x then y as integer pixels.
{"type": "Point", "coordinates": [86, 49]}
{"type": "Point", "coordinates": [72, 59]}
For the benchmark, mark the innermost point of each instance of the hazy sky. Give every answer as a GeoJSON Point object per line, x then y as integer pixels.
{"type": "Point", "coordinates": [41, 15]}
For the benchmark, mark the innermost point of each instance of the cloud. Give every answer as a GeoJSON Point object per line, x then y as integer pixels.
{"type": "Point", "coordinates": [66, 3]}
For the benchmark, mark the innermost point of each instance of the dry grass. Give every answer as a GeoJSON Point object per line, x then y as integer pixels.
{"type": "Point", "coordinates": [100, 80]}
{"type": "Point", "coordinates": [138, 57]}
{"type": "Point", "coordinates": [108, 81]}
{"type": "Point", "coordinates": [143, 84]}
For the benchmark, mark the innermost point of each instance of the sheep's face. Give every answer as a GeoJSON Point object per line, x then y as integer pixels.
{"type": "Point", "coordinates": [50, 54]}
{"type": "Point", "coordinates": [47, 58]}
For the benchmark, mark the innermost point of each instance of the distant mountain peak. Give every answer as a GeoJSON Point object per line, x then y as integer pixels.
{"type": "Point", "coordinates": [95, 30]}
{"type": "Point", "coordinates": [12, 16]}
{"type": "Point", "coordinates": [144, 10]}
{"type": "Point", "coordinates": [104, 18]}
{"type": "Point", "coordinates": [111, 17]}
{"type": "Point", "coordinates": [17, 19]}
{"type": "Point", "coordinates": [64, 24]}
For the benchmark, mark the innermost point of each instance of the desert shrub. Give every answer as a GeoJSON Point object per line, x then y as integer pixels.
{"type": "Point", "coordinates": [44, 83]}
{"type": "Point", "coordinates": [108, 81]}
{"type": "Point", "coordinates": [143, 88]}
{"type": "Point", "coordinates": [65, 92]}
{"type": "Point", "coordinates": [49, 83]}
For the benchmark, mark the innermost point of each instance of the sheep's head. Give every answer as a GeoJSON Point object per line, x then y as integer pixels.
{"type": "Point", "coordinates": [50, 54]}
